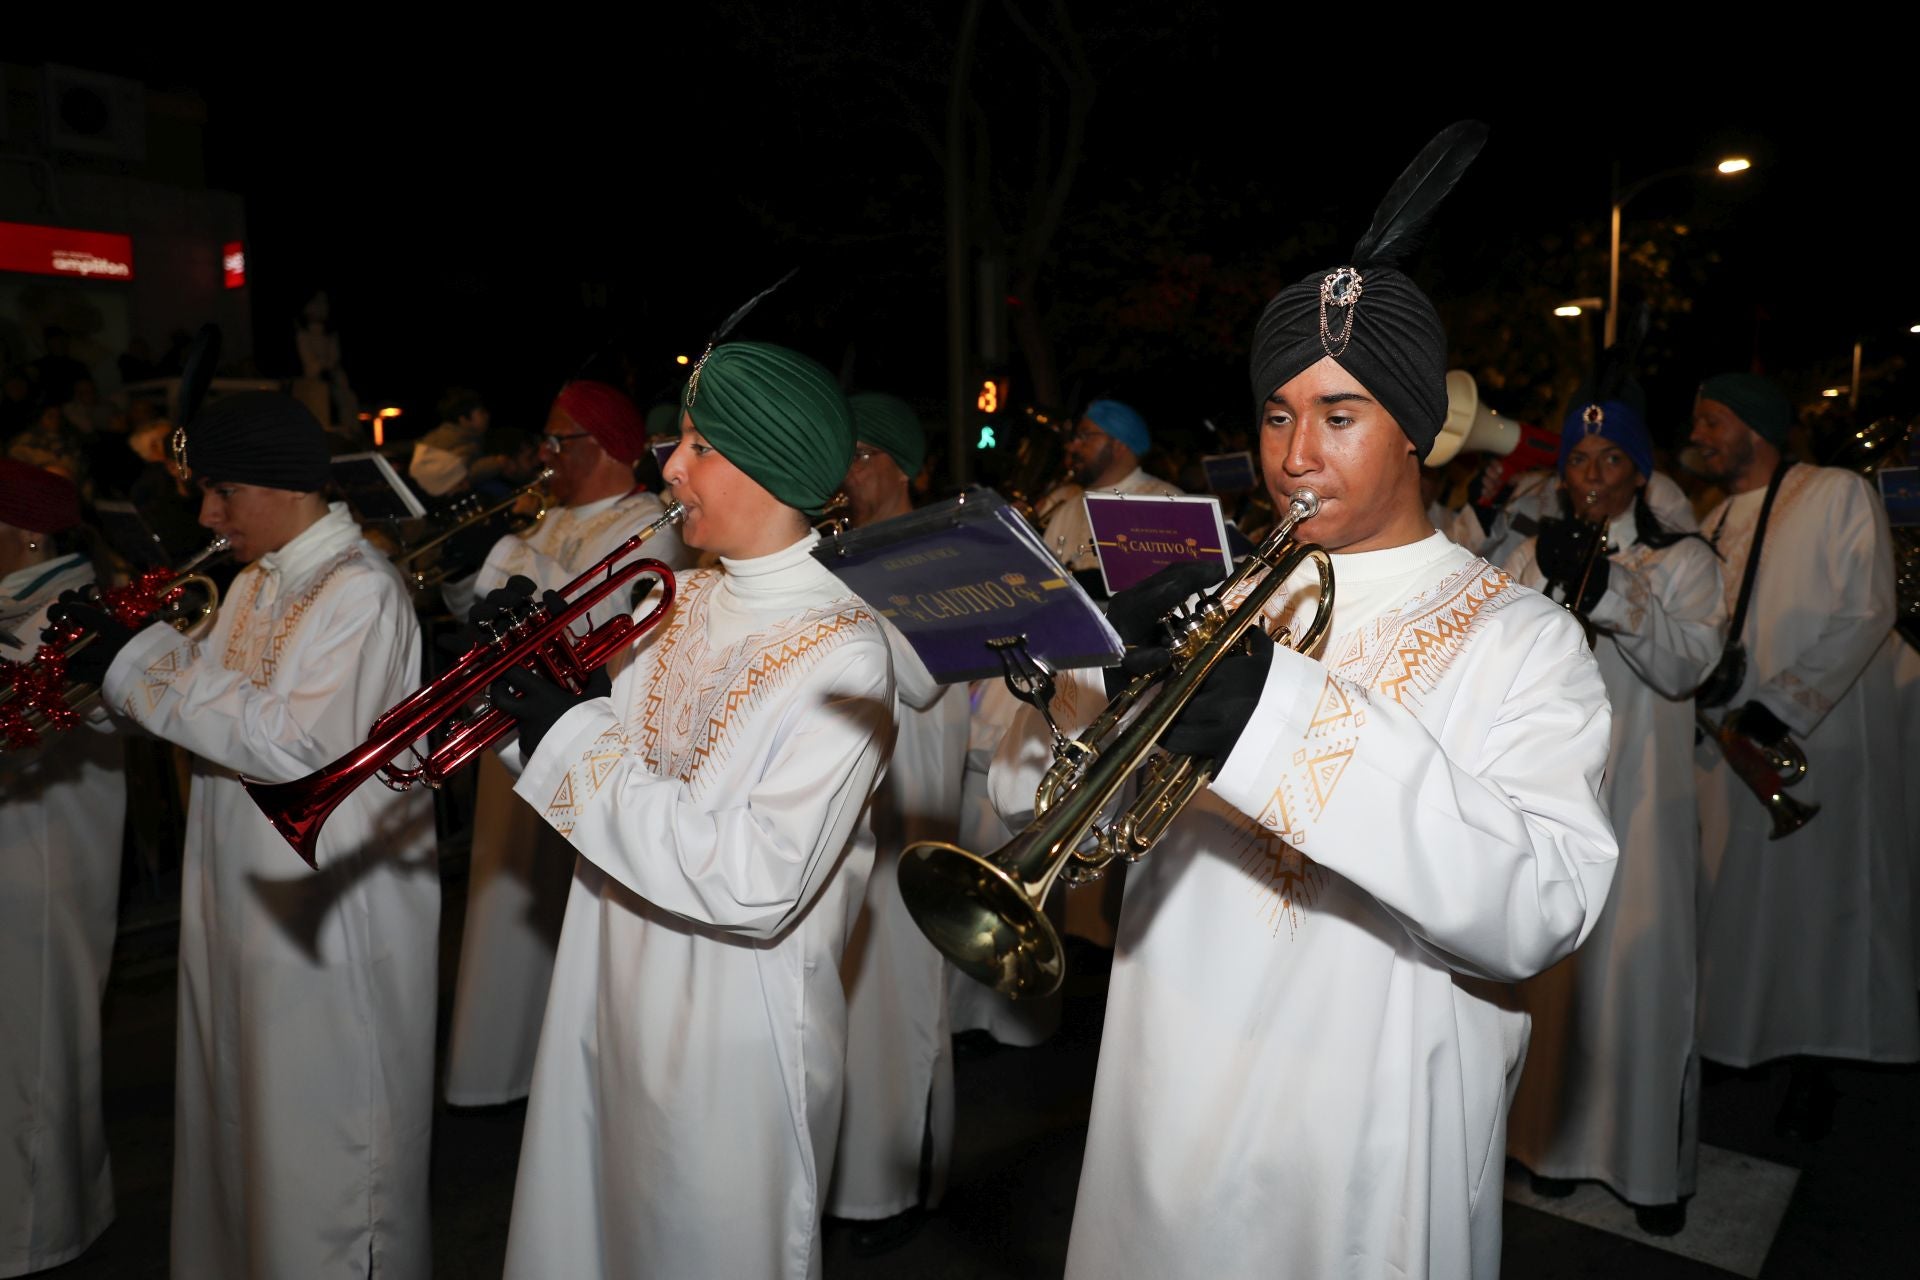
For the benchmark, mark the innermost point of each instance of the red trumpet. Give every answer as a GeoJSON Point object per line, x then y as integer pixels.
{"type": "Point", "coordinates": [527, 635]}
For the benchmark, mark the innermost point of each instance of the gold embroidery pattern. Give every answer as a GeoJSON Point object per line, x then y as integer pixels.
{"type": "Point", "coordinates": [1736, 541]}
{"type": "Point", "coordinates": [258, 656]}
{"type": "Point", "coordinates": [1406, 654]}
{"type": "Point", "coordinates": [596, 765]}
{"type": "Point", "coordinates": [1804, 694]}
{"type": "Point", "coordinates": [159, 677]}
{"type": "Point", "coordinates": [1286, 882]}
{"type": "Point", "coordinates": [694, 699]}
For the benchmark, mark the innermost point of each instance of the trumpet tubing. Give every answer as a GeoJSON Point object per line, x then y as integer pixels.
{"type": "Point", "coordinates": [528, 636]}
{"type": "Point", "coordinates": [37, 698]}
{"type": "Point", "coordinates": [432, 576]}
{"type": "Point", "coordinates": [984, 913]}
{"type": "Point", "coordinates": [1766, 771]}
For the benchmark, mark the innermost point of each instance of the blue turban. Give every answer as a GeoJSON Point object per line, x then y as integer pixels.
{"type": "Point", "coordinates": [1612, 420]}
{"type": "Point", "coordinates": [1123, 424]}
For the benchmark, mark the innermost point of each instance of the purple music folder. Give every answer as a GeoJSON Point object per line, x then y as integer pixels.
{"type": "Point", "coordinates": [1137, 535]}
{"type": "Point", "coordinates": [662, 450]}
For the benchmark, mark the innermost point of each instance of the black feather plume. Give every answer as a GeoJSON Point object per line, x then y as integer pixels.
{"type": "Point", "coordinates": [732, 322]}
{"type": "Point", "coordinates": [1408, 206]}
{"type": "Point", "coordinates": [196, 373]}
{"type": "Point", "coordinates": [1613, 378]}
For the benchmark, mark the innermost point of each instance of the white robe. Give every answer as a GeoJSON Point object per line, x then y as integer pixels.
{"type": "Point", "coordinates": [1611, 1087]}
{"type": "Point", "coordinates": [899, 1091]}
{"type": "Point", "coordinates": [1067, 533]}
{"type": "Point", "coordinates": [1805, 942]}
{"type": "Point", "coordinates": [304, 1077]}
{"type": "Point", "coordinates": [1906, 679]}
{"type": "Point", "coordinates": [62, 804]}
{"type": "Point", "coordinates": [1301, 1072]}
{"type": "Point", "coordinates": [520, 868]}
{"type": "Point", "coordinates": [686, 1096]}
{"type": "Point", "coordinates": [971, 1005]}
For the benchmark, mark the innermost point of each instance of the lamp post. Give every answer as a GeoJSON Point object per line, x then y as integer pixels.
{"type": "Point", "coordinates": [1731, 165]}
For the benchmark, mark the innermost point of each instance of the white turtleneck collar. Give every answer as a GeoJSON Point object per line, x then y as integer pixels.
{"type": "Point", "coordinates": [313, 546]}
{"type": "Point", "coordinates": [755, 592]}
{"type": "Point", "coordinates": [1393, 562]}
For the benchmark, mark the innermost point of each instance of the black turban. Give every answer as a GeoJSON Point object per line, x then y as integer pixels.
{"type": "Point", "coordinates": [258, 437]}
{"type": "Point", "coordinates": [1367, 315]}
{"type": "Point", "coordinates": [1397, 348]}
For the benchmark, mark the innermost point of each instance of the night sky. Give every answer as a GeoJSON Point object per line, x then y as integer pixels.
{"type": "Point", "coordinates": [501, 219]}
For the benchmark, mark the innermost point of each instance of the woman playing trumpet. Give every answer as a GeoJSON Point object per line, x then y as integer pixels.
{"type": "Point", "coordinates": [1612, 1080]}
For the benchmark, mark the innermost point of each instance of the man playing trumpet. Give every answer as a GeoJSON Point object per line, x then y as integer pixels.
{"type": "Point", "coordinates": [1806, 944]}
{"type": "Point", "coordinates": [1304, 1067]}
{"type": "Point", "coordinates": [686, 1097]}
{"type": "Point", "coordinates": [521, 867]}
{"type": "Point", "coordinates": [304, 1076]}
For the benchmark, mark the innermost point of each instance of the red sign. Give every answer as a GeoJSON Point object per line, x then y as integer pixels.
{"type": "Point", "coordinates": [60, 251]}
{"type": "Point", "coordinates": [233, 259]}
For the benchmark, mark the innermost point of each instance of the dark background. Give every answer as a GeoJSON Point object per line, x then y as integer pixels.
{"type": "Point", "coordinates": [500, 214]}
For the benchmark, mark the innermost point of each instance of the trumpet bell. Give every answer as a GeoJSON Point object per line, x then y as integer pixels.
{"type": "Point", "coordinates": [982, 919]}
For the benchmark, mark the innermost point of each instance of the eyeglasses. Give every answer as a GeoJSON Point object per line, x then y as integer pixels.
{"type": "Point", "coordinates": [556, 443]}
{"type": "Point", "coordinates": [863, 454]}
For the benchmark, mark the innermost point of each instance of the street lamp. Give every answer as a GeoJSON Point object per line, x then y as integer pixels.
{"type": "Point", "coordinates": [1577, 307]}
{"type": "Point", "coordinates": [1731, 165]}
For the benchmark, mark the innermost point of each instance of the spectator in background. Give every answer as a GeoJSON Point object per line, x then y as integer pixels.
{"type": "Point", "coordinates": [509, 458]}
{"type": "Point", "coordinates": [51, 442]}
{"type": "Point", "coordinates": [444, 456]}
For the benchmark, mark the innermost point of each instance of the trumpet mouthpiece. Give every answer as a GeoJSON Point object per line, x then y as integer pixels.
{"type": "Point", "coordinates": [1305, 503]}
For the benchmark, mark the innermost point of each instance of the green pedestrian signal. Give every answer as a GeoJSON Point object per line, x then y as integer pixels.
{"type": "Point", "coordinates": [986, 439]}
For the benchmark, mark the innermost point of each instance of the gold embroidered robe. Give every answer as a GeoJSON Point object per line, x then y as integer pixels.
{"type": "Point", "coordinates": [686, 1094]}
{"type": "Point", "coordinates": [1302, 1072]}
{"type": "Point", "coordinates": [520, 868]}
{"type": "Point", "coordinates": [304, 1077]}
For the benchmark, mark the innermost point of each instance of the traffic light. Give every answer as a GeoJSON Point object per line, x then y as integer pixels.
{"type": "Point", "coordinates": [993, 396]}
{"type": "Point", "coordinates": [986, 440]}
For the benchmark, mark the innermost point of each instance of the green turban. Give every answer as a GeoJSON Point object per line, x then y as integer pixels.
{"type": "Point", "coordinates": [777, 416]}
{"type": "Point", "coordinates": [1756, 401]}
{"type": "Point", "coordinates": [888, 422]}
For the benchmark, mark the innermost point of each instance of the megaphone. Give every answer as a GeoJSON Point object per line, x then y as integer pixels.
{"type": "Point", "coordinates": [1470, 427]}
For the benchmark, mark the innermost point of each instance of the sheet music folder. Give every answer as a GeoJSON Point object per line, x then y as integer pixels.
{"type": "Point", "coordinates": [956, 575]}
{"type": "Point", "coordinates": [369, 484]}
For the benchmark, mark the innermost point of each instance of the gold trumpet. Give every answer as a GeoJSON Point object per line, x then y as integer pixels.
{"type": "Point", "coordinates": [835, 515]}
{"type": "Point", "coordinates": [407, 559]}
{"type": "Point", "coordinates": [528, 635]}
{"type": "Point", "coordinates": [36, 696]}
{"type": "Point", "coordinates": [1767, 771]}
{"type": "Point", "coordinates": [983, 913]}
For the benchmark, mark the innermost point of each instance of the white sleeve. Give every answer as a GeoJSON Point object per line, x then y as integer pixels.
{"type": "Point", "coordinates": [350, 657]}
{"type": "Point", "coordinates": [1497, 862]}
{"type": "Point", "coordinates": [1026, 752]}
{"type": "Point", "coordinates": [1855, 596]}
{"type": "Point", "coordinates": [753, 863]}
{"type": "Point", "coordinates": [1669, 617]}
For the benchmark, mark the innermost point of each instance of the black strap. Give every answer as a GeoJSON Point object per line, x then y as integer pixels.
{"type": "Point", "coordinates": [1731, 671]}
{"type": "Point", "coordinates": [1737, 627]}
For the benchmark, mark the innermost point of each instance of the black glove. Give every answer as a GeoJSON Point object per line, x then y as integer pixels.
{"type": "Point", "coordinates": [87, 662]}
{"type": "Point", "coordinates": [487, 609]}
{"type": "Point", "coordinates": [1213, 719]}
{"type": "Point", "coordinates": [1136, 612]}
{"type": "Point", "coordinates": [1562, 550]}
{"type": "Point", "coordinates": [536, 702]}
{"type": "Point", "coordinates": [1760, 724]}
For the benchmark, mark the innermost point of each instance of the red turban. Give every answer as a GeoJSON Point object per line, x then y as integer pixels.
{"type": "Point", "coordinates": [606, 414]}
{"type": "Point", "coordinates": [37, 499]}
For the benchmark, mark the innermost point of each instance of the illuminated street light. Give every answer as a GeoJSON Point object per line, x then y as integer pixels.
{"type": "Point", "coordinates": [1914, 329]}
{"type": "Point", "coordinates": [680, 360]}
{"type": "Point", "coordinates": [1568, 311]}
{"type": "Point", "coordinates": [1834, 393]}
{"type": "Point", "coordinates": [1731, 165]}
{"type": "Point", "coordinates": [1578, 306]}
